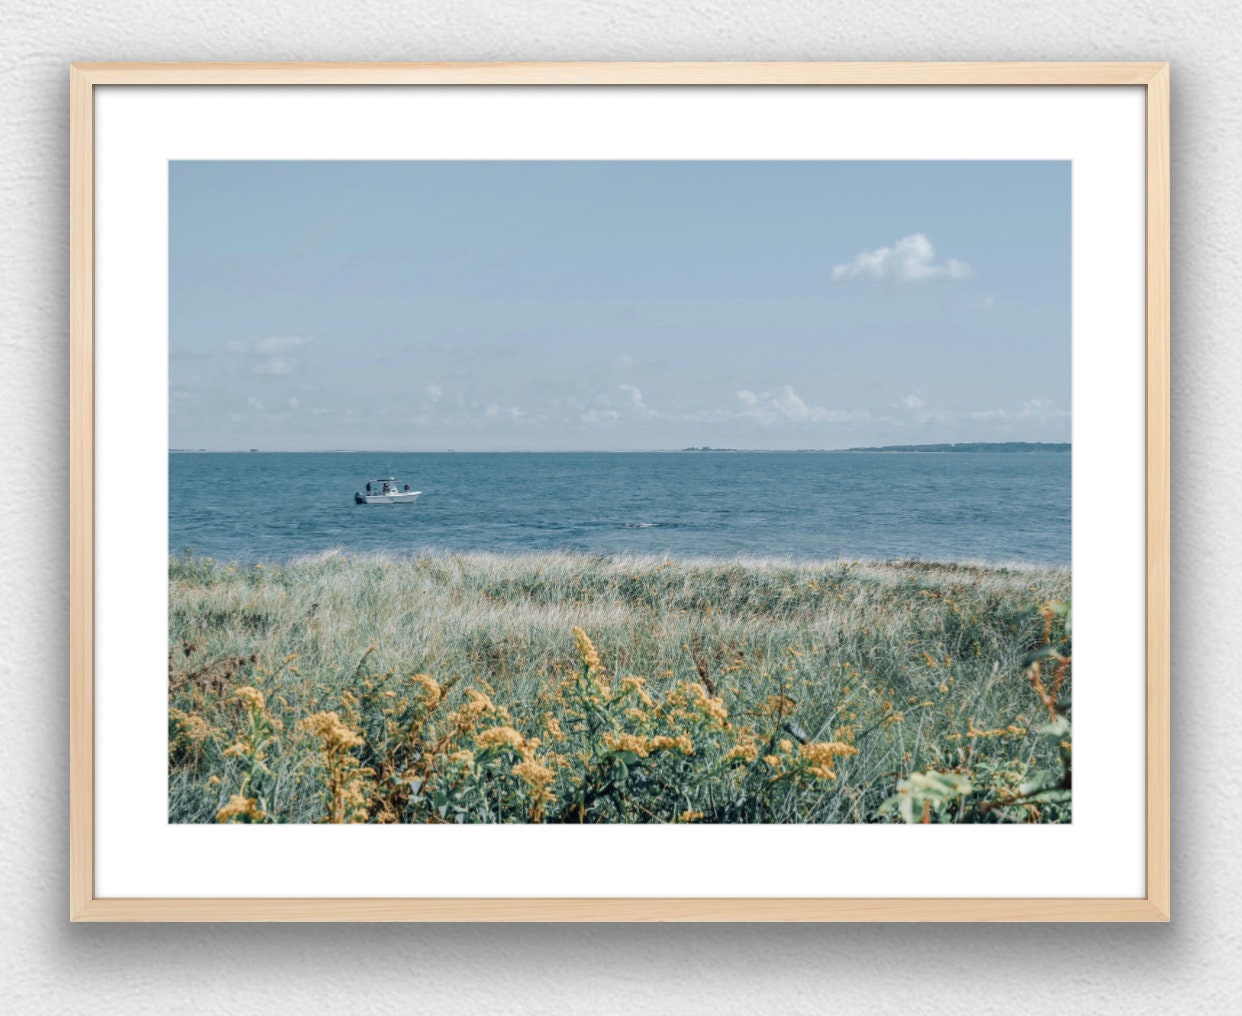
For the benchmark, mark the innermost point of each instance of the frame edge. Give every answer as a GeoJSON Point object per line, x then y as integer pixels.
{"type": "Point", "coordinates": [82, 498]}
{"type": "Point", "coordinates": [1158, 492]}
{"type": "Point", "coordinates": [86, 907]}
{"type": "Point", "coordinates": [638, 910]}
{"type": "Point", "coordinates": [623, 73]}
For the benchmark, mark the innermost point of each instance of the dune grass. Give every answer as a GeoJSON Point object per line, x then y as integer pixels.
{"type": "Point", "coordinates": [561, 687]}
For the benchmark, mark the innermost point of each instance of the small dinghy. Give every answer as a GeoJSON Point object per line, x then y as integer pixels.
{"type": "Point", "coordinates": [386, 490]}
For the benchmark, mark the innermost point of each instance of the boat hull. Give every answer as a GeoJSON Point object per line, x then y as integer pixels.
{"type": "Point", "coordinates": [401, 497]}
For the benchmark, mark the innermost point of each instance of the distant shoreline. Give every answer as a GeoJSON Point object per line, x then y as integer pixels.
{"type": "Point", "coordinates": [1006, 447]}
{"type": "Point", "coordinates": [1000, 447]}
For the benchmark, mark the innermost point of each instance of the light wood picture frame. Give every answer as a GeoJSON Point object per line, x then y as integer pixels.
{"type": "Point", "coordinates": [86, 905]}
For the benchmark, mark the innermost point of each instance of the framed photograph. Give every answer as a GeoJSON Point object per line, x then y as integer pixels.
{"type": "Point", "coordinates": [562, 492]}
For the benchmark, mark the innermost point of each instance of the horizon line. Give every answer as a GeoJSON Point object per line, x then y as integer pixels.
{"type": "Point", "coordinates": [590, 451]}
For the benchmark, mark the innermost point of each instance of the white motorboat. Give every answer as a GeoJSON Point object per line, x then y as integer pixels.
{"type": "Point", "coordinates": [386, 490]}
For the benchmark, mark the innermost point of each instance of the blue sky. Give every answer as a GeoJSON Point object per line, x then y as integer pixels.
{"type": "Point", "coordinates": [617, 305]}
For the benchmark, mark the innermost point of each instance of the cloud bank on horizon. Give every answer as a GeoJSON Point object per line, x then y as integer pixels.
{"type": "Point", "coordinates": [617, 305]}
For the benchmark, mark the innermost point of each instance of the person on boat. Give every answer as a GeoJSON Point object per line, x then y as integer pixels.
{"type": "Point", "coordinates": [407, 487]}
{"type": "Point", "coordinates": [368, 488]}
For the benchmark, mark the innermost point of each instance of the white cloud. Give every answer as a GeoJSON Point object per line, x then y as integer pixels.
{"type": "Point", "coordinates": [916, 409]}
{"type": "Point", "coordinates": [910, 259]}
{"type": "Point", "coordinates": [605, 407]}
{"type": "Point", "coordinates": [1041, 409]}
{"type": "Point", "coordinates": [281, 343]}
{"type": "Point", "coordinates": [494, 409]}
{"type": "Point", "coordinates": [600, 415]}
{"type": "Point", "coordinates": [784, 405]}
{"type": "Point", "coordinates": [1031, 411]}
{"type": "Point", "coordinates": [276, 366]}
{"type": "Point", "coordinates": [635, 396]}
{"type": "Point", "coordinates": [268, 355]}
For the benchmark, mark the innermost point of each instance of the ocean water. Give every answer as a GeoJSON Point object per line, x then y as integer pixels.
{"type": "Point", "coordinates": [267, 507]}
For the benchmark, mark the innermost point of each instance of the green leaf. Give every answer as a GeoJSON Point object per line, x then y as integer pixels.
{"type": "Point", "coordinates": [1042, 653]}
{"type": "Point", "coordinates": [921, 792]}
{"type": "Point", "coordinates": [906, 805]}
{"type": "Point", "coordinates": [1039, 782]}
{"type": "Point", "coordinates": [1055, 796]}
{"type": "Point", "coordinates": [1058, 730]}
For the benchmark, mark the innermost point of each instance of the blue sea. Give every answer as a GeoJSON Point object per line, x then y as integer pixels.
{"type": "Point", "coordinates": [267, 507]}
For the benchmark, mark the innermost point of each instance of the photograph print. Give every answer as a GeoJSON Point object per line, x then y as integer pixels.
{"type": "Point", "coordinates": [698, 492]}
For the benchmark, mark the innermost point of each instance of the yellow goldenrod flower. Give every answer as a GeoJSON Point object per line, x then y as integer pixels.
{"type": "Point", "coordinates": [636, 743]}
{"type": "Point", "coordinates": [822, 754]}
{"type": "Point", "coordinates": [535, 773]}
{"type": "Point", "coordinates": [252, 698]}
{"type": "Point", "coordinates": [495, 736]}
{"type": "Point", "coordinates": [240, 808]}
{"type": "Point", "coordinates": [746, 752]}
{"type": "Point", "coordinates": [191, 726]}
{"type": "Point", "coordinates": [328, 727]}
{"type": "Point", "coordinates": [709, 705]}
{"type": "Point", "coordinates": [430, 690]}
{"type": "Point", "coordinates": [823, 751]}
{"type": "Point", "coordinates": [465, 718]}
{"type": "Point", "coordinates": [586, 650]}
{"type": "Point", "coordinates": [637, 685]}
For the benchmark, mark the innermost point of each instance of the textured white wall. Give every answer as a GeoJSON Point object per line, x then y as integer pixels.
{"type": "Point", "coordinates": [50, 966]}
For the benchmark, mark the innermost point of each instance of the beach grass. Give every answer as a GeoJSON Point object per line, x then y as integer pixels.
{"type": "Point", "coordinates": [577, 688]}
